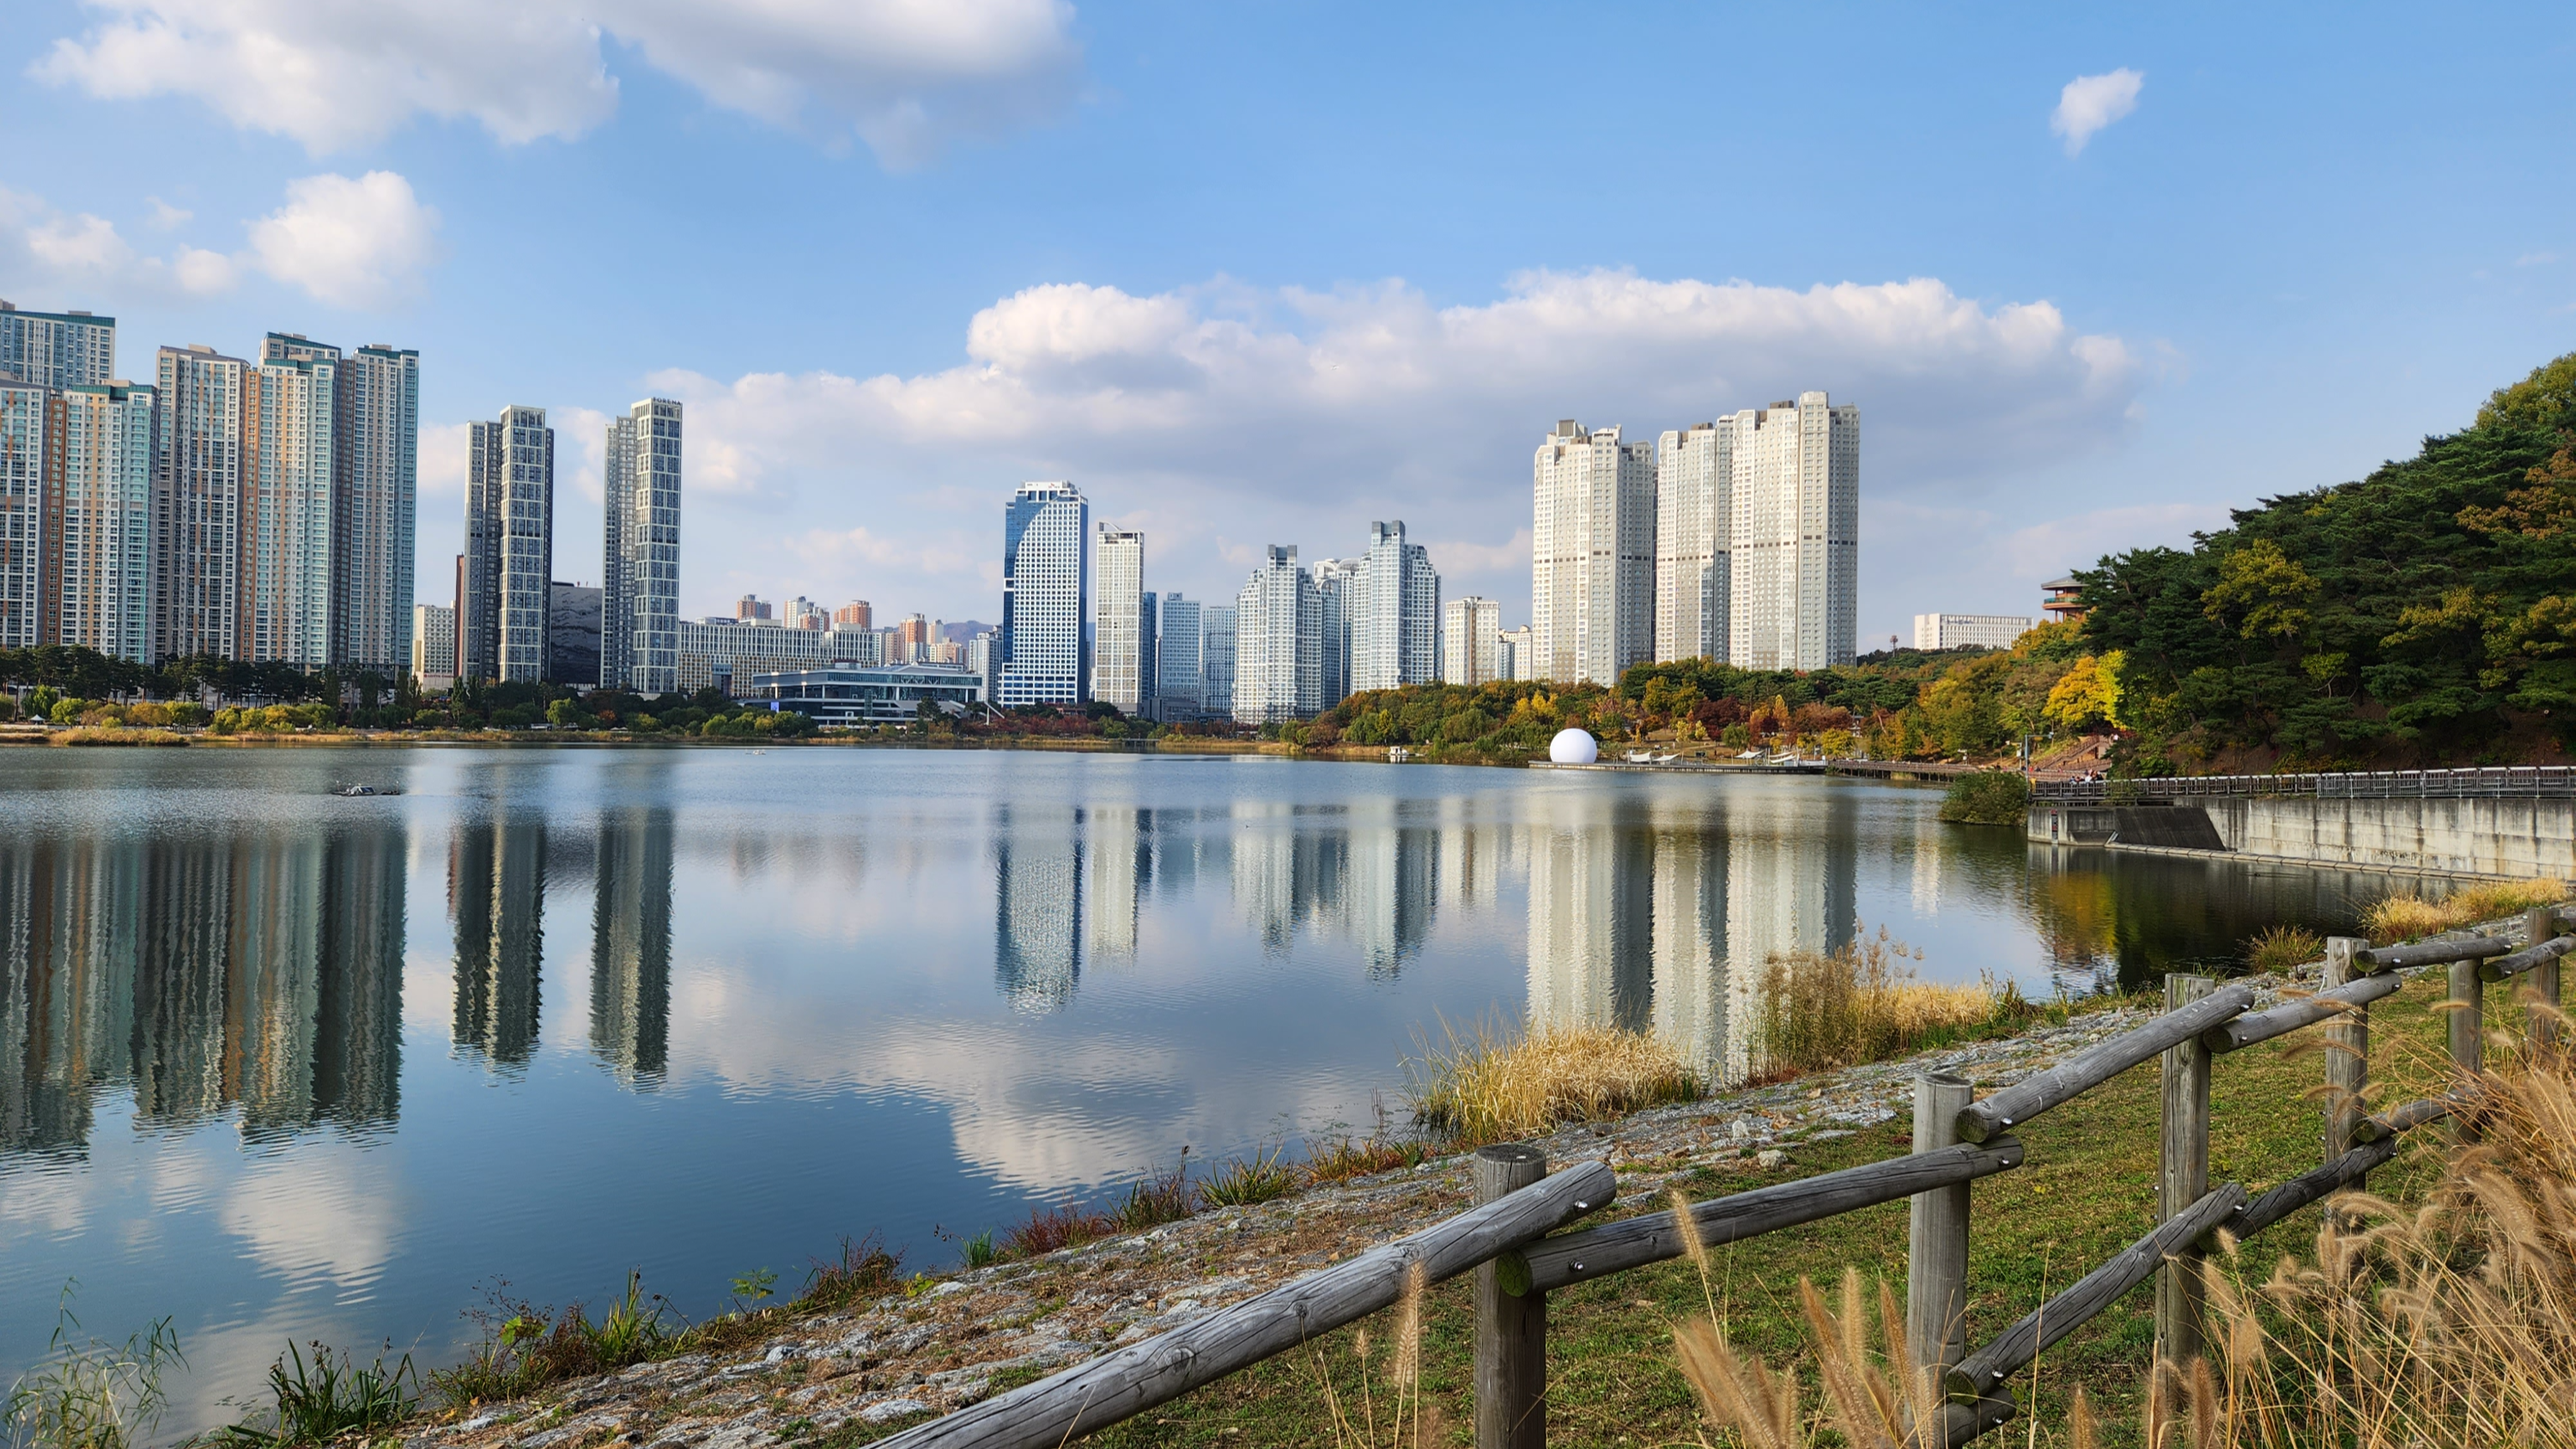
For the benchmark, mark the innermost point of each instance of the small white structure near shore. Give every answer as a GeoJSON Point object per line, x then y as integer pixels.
{"type": "Point", "coordinates": [1573, 747]}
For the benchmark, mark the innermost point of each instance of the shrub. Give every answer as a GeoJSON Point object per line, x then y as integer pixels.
{"type": "Point", "coordinates": [1493, 1088]}
{"type": "Point", "coordinates": [1863, 1003]}
{"type": "Point", "coordinates": [1988, 797]}
{"type": "Point", "coordinates": [1051, 1228]}
{"type": "Point", "coordinates": [2282, 947]}
{"type": "Point", "coordinates": [1156, 1199]}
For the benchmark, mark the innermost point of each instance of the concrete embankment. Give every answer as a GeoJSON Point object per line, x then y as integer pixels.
{"type": "Point", "coordinates": [2504, 836]}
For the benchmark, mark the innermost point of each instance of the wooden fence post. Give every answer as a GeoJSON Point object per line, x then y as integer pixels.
{"type": "Point", "coordinates": [1936, 1257]}
{"type": "Point", "coordinates": [2185, 1174]}
{"type": "Point", "coordinates": [1511, 1333]}
{"type": "Point", "coordinates": [2542, 1031]}
{"type": "Point", "coordinates": [2467, 1023]}
{"type": "Point", "coordinates": [2347, 1054]}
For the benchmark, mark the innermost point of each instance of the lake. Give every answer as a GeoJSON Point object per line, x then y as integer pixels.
{"type": "Point", "coordinates": [283, 1065]}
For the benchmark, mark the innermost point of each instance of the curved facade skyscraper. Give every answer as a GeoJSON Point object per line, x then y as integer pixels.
{"type": "Point", "coordinates": [1042, 656]}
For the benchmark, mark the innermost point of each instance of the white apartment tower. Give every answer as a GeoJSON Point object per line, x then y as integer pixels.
{"type": "Point", "coordinates": [1040, 653]}
{"type": "Point", "coordinates": [378, 511]}
{"type": "Point", "coordinates": [1471, 641]}
{"type": "Point", "coordinates": [197, 489]}
{"type": "Point", "coordinates": [56, 349]}
{"type": "Point", "coordinates": [639, 640]}
{"type": "Point", "coordinates": [1395, 613]}
{"type": "Point", "coordinates": [1118, 618]}
{"type": "Point", "coordinates": [509, 547]}
{"type": "Point", "coordinates": [1278, 642]}
{"type": "Point", "coordinates": [1694, 487]}
{"type": "Point", "coordinates": [103, 571]}
{"type": "Point", "coordinates": [1794, 534]}
{"type": "Point", "coordinates": [289, 525]}
{"type": "Point", "coordinates": [433, 646]}
{"type": "Point", "coordinates": [1592, 601]}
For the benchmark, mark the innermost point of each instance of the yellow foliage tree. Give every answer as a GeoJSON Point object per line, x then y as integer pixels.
{"type": "Point", "coordinates": [2087, 695]}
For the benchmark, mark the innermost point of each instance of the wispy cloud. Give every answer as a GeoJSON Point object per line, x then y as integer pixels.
{"type": "Point", "coordinates": [2091, 102]}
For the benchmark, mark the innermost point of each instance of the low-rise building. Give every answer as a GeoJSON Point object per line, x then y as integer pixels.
{"type": "Point", "coordinates": [713, 653]}
{"type": "Point", "coordinates": [852, 695]}
{"type": "Point", "coordinates": [1965, 631]}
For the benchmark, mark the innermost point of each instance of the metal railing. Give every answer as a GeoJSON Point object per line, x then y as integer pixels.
{"type": "Point", "coordinates": [2525, 781]}
{"type": "Point", "coordinates": [1512, 1244]}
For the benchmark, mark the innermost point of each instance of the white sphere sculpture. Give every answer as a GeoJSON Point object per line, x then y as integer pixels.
{"type": "Point", "coordinates": [1573, 747]}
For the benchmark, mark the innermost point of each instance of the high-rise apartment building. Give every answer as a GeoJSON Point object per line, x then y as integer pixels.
{"type": "Point", "coordinates": [509, 545]}
{"type": "Point", "coordinates": [1179, 683]}
{"type": "Point", "coordinates": [749, 607]}
{"type": "Point", "coordinates": [102, 567]}
{"type": "Point", "coordinates": [1471, 641]}
{"type": "Point", "coordinates": [1046, 596]}
{"type": "Point", "coordinates": [1395, 613]}
{"type": "Point", "coordinates": [1278, 642]}
{"type": "Point", "coordinates": [1694, 488]}
{"type": "Point", "coordinates": [801, 612]}
{"type": "Point", "coordinates": [1794, 534]}
{"type": "Point", "coordinates": [433, 647]}
{"type": "Point", "coordinates": [1592, 601]}
{"type": "Point", "coordinates": [56, 349]}
{"type": "Point", "coordinates": [1515, 656]}
{"type": "Point", "coordinates": [378, 513]}
{"type": "Point", "coordinates": [31, 424]}
{"type": "Point", "coordinates": [1336, 582]}
{"type": "Point", "coordinates": [197, 492]}
{"type": "Point", "coordinates": [1117, 618]}
{"type": "Point", "coordinates": [912, 640]}
{"type": "Point", "coordinates": [289, 525]}
{"type": "Point", "coordinates": [854, 615]}
{"type": "Point", "coordinates": [640, 574]}
{"type": "Point", "coordinates": [1217, 628]}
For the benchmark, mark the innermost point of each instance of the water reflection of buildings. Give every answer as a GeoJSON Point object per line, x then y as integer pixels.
{"type": "Point", "coordinates": [496, 889]}
{"type": "Point", "coordinates": [1037, 907]}
{"type": "Point", "coordinates": [264, 976]}
{"type": "Point", "coordinates": [1664, 912]}
{"type": "Point", "coordinates": [630, 946]}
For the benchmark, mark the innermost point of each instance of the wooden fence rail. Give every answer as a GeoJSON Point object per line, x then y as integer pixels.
{"type": "Point", "coordinates": [1510, 1237]}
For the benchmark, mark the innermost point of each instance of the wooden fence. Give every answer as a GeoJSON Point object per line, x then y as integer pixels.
{"type": "Point", "coordinates": [1511, 1240]}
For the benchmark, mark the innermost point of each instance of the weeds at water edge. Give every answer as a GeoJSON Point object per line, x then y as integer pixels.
{"type": "Point", "coordinates": [87, 1393]}
{"type": "Point", "coordinates": [317, 1402]}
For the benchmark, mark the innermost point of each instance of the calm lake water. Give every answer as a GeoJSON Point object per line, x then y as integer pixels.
{"type": "Point", "coordinates": [283, 1065]}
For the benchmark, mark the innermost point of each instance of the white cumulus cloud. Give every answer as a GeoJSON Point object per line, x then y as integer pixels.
{"type": "Point", "coordinates": [2091, 102]}
{"type": "Point", "coordinates": [903, 75]}
{"type": "Point", "coordinates": [359, 243]}
{"type": "Point", "coordinates": [43, 247]}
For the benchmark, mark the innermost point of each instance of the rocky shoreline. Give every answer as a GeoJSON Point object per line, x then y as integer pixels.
{"type": "Point", "coordinates": [962, 1337]}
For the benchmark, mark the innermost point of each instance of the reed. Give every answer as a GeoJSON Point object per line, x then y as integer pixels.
{"type": "Point", "coordinates": [2405, 915]}
{"type": "Point", "coordinates": [1864, 1003]}
{"type": "Point", "coordinates": [1496, 1087]}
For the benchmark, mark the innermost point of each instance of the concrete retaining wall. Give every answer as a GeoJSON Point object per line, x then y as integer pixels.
{"type": "Point", "coordinates": [2469, 836]}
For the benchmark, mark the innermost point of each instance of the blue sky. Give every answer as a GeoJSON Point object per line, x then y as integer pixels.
{"type": "Point", "coordinates": [1255, 274]}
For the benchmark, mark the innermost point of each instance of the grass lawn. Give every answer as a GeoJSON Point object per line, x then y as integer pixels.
{"type": "Point", "coordinates": [2086, 1190]}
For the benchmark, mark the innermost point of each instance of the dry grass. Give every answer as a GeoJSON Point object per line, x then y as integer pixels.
{"type": "Point", "coordinates": [2449, 1324]}
{"type": "Point", "coordinates": [116, 735]}
{"type": "Point", "coordinates": [1493, 1087]}
{"type": "Point", "coordinates": [2279, 948]}
{"type": "Point", "coordinates": [1863, 1003]}
{"type": "Point", "coordinates": [2405, 916]}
